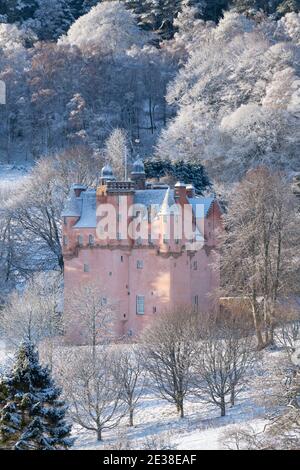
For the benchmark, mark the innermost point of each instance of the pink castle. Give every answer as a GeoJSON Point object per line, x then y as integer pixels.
{"type": "Point", "coordinates": [141, 255]}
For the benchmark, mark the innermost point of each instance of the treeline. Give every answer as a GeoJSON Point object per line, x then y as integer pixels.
{"type": "Point", "coordinates": [52, 18]}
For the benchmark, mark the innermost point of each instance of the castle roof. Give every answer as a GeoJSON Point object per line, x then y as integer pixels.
{"type": "Point", "coordinates": [84, 206]}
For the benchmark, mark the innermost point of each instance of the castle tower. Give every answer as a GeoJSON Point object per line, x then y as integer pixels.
{"type": "Point", "coordinates": [138, 174]}
{"type": "Point", "coordinates": [107, 175]}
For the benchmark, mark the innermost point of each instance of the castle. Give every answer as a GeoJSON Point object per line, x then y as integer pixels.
{"type": "Point", "coordinates": [130, 239]}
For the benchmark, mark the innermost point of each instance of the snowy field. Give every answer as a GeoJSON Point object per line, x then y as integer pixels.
{"type": "Point", "coordinates": [13, 173]}
{"type": "Point", "coordinates": [158, 426]}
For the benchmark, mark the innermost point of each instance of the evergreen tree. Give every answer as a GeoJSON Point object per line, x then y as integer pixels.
{"type": "Point", "coordinates": [81, 7]}
{"type": "Point", "coordinates": [288, 6]}
{"type": "Point", "coordinates": [51, 19]}
{"type": "Point", "coordinates": [18, 10]}
{"type": "Point", "coordinates": [32, 416]}
{"type": "Point", "coordinates": [193, 173]}
{"type": "Point", "coordinates": [159, 15]}
{"type": "Point", "coordinates": [186, 172]}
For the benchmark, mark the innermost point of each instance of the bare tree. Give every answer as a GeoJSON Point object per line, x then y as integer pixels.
{"type": "Point", "coordinates": [92, 391]}
{"type": "Point", "coordinates": [287, 333]}
{"type": "Point", "coordinates": [169, 350]}
{"type": "Point", "coordinates": [90, 315]}
{"type": "Point", "coordinates": [117, 152]}
{"type": "Point", "coordinates": [258, 258]}
{"type": "Point", "coordinates": [33, 314]}
{"type": "Point", "coordinates": [225, 355]}
{"type": "Point", "coordinates": [130, 375]}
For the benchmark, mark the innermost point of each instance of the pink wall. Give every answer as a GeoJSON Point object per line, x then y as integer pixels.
{"type": "Point", "coordinates": [168, 279]}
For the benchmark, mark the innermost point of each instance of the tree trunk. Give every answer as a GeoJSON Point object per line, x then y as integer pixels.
{"type": "Point", "coordinates": [131, 417]}
{"type": "Point", "coordinates": [257, 326]}
{"type": "Point", "coordinates": [180, 408]}
{"type": "Point", "coordinates": [223, 406]}
{"type": "Point", "coordinates": [99, 434]}
{"type": "Point", "coordinates": [232, 395]}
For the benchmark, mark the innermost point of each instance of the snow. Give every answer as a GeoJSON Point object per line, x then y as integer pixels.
{"type": "Point", "coordinates": [156, 421]}
{"type": "Point", "coordinates": [13, 173]}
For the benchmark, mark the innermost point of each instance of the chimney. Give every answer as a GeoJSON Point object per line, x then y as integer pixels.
{"type": "Point", "coordinates": [190, 191]}
{"type": "Point", "coordinates": [78, 189]}
{"type": "Point", "coordinates": [180, 193]}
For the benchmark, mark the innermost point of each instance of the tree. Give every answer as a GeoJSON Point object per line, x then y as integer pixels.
{"type": "Point", "coordinates": [33, 315]}
{"type": "Point", "coordinates": [108, 27]}
{"type": "Point", "coordinates": [51, 19]}
{"type": "Point", "coordinates": [95, 396]}
{"type": "Point", "coordinates": [186, 172]}
{"type": "Point", "coordinates": [117, 153]}
{"type": "Point", "coordinates": [89, 317]}
{"type": "Point", "coordinates": [169, 349]}
{"type": "Point", "coordinates": [32, 415]}
{"type": "Point", "coordinates": [37, 208]}
{"type": "Point", "coordinates": [129, 373]}
{"type": "Point", "coordinates": [223, 360]}
{"type": "Point", "coordinates": [260, 242]}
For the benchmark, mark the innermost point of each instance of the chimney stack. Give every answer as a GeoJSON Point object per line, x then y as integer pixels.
{"type": "Point", "coordinates": [190, 191]}
{"type": "Point", "coordinates": [78, 189]}
{"type": "Point", "coordinates": [180, 193]}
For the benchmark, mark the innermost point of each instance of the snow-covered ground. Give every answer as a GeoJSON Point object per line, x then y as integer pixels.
{"type": "Point", "coordinates": [13, 173]}
{"type": "Point", "coordinates": [157, 423]}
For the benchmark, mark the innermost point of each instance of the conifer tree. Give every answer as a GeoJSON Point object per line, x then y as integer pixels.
{"type": "Point", "coordinates": [186, 172]}
{"type": "Point", "coordinates": [32, 416]}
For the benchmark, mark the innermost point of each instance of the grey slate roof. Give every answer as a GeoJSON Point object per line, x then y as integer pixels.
{"type": "Point", "coordinates": [88, 215]}
{"type": "Point", "coordinates": [204, 201]}
{"type": "Point", "coordinates": [85, 205]}
{"type": "Point", "coordinates": [73, 205]}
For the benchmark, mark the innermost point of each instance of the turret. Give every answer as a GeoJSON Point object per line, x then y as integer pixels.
{"type": "Point", "coordinates": [138, 174]}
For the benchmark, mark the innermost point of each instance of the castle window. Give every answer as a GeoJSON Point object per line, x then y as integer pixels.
{"type": "Point", "coordinates": [65, 241]}
{"type": "Point", "coordinates": [91, 240]}
{"type": "Point", "coordinates": [196, 300]}
{"type": "Point", "coordinates": [195, 265]}
{"type": "Point", "coordinates": [140, 264]}
{"type": "Point", "coordinates": [103, 301]}
{"type": "Point", "coordinates": [165, 238]}
{"type": "Point", "coordinates": [177, 241]}
{"type": "Point", "coordinates": [154, 309]}
{"type": "Point", "coordinates": [65, 220]}
{"type": "Point", "coordinates": [165, 219]}
{"type": "Point", "coordinates": [122, 259]}
{"type": "Point", "coordinates": [86, 268]}
{"type": "Point", "coordinates": [80, 240]}
{"type": "Point", "coordinates": [140, 305]}
{"type": "Point", "coordinates": [139, 241]}
{"type": "Point", "coordinates": [118, 236]}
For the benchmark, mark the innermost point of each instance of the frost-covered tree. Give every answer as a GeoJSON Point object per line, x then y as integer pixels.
{"type": "Point", "coordinates": [34, 314]}
{"type": "Point", "coordinates": [94, 394]}
{"type": "Point", "coordinates": [258, 259]}
{"type": "Point", "coordinates": [169, 350]}
{"type": "Point", "coordinates": [51, 19]}
{"type": "Point", "coordinates": [129, 373]}
{"type": "Point", "coordinates": [32, 414]}
{"type": "Point", "coordinates": [117, 152]}
{"type": "Point", "coordinates": [109, 27]}
{"type": "Point", "coordinates": [252, 136]}
{"type": "Point", "coordinates": [89, 316]}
